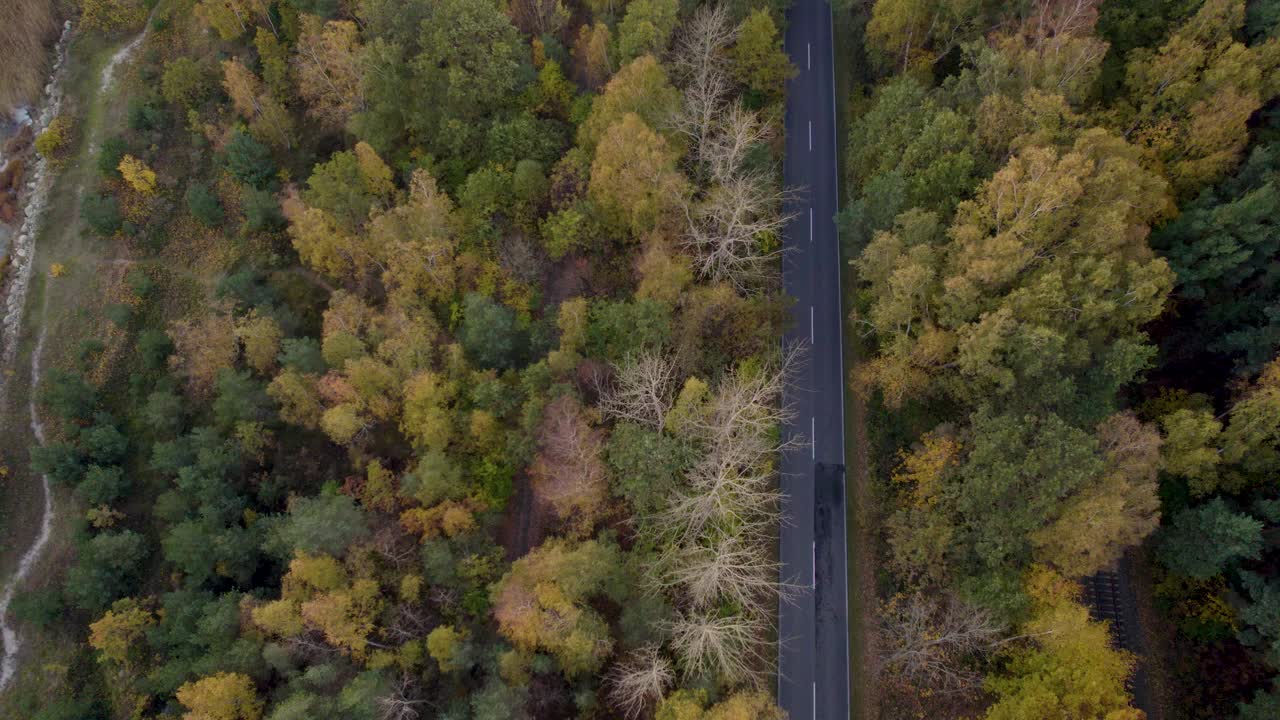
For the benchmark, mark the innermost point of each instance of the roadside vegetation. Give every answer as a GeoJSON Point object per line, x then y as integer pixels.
{"type": "Point", "coordinates": [1062, 221]}
{"type": "Point", "coordinates": [431, 368]}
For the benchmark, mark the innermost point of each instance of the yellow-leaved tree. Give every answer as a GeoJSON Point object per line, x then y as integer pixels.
{"type": "Point", "coordinates": [326, 61]}
{"type": "Point", "coordinates": [692, 705]}
{"type": "Point", "coordinates": [318, 594]}
{"type": "Point", "coordinates": [138, 175]}
{"type": "Point", "coordinates": [1070, 670]}
{"type": "Point", "coordinates": [115, 633]}
{"type": "Point", "coordinates": [1195, 94]}
{"type": "Point", "coordinates": [225, 696]}
{"type": "Point", "coordinates": [634, 179]}
{"type": "Point", "coordinates": [543, 602]}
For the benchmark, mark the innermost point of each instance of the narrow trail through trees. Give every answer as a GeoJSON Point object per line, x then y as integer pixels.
{"type": "Point", "coordinates": [25, 250]}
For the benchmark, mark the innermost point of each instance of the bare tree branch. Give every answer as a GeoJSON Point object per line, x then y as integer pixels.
{"type": "Point", "coordinates": [718, 532]}
{"type": "Point", "coordinates": [640, 680]}
{"type": "Point", "coordinates": [932, 643]}
{"type": "Point", "coordinates": [403, 702]}
{"type": "Point", "coordinates": [734, 647]}
{"type": "Point", "coordinates": [734, 228]}
{"type": "Point", "coordinates": [700, 62]}
{"type": "Point", "coordinates": [642, 390]}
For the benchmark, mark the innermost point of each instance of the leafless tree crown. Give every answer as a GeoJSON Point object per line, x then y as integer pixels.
{"type": "Point", "coordinates": [640, 680]}
{"type": "Point", "coordinates": [934, 642]}
{"type": "Point", "coordinates": [733, 228]}
{"type": "Point", "coordinates": [717, 533]}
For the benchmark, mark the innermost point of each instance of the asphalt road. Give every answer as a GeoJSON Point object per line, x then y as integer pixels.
{"type": "Point", "coordinates": [814, 630]}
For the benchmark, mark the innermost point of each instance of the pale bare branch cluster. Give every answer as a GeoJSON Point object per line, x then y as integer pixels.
{"type": "Point", "coordinates": [641, 391]}
{"type": "Point", "coordinates": [699, 61]}
{"type": "Point", "coordinates": [733, 569]}
{"type": "Point", "coordinates": [748, 407]}
{"type": "Point", "coordinates": [1058, 18]}
{"type": "Point", "coordinates": [640, 680]}
{"type": "Point", "coordinates": [734, 226]}
{"type": "Point", "coordinates": [568, 472]}
{"type": "Point", "coordinates": [716, 534]}
{"type": "Point", "coordinates": [538, 17]}
{"type": "Point", "coordinates": [734, 647]}
{"type": "Point", "coordinates": [403, 702]}
{"type": "Point", "coordinates": [520, 257]}
{"type": "Point", "coordinates": [931, 642]}
{"type": "Point", "coordinates": [734, 230]}
{"type": "Point", "coordinates": [738, 131]}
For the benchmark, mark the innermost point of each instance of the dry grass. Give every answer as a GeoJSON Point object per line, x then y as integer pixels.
{"type": "Point", "coordinates": [26, 28]}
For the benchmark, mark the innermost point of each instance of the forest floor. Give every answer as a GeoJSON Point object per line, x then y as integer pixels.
{"type": "Point", "coordinates": [64, 309]}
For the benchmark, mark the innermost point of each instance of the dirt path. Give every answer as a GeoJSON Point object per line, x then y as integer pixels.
{"type": "Point", "coordinates": [526, 521]}
{"type": "Point", "coordinates": [12, 642]}
{"type": "Point", "coordinates": [24, 252]}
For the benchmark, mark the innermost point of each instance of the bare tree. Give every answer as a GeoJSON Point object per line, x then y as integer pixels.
{"type": "Point", "coordinates": [735, 646]}
{"type": "Point", "coordinates": [568, 472]}
{"type": "Point", "coordinates": [717, 533]}
{"type": "Point", "coordinates": [394, 545]}
{"type": "Point", "coordinates": [749, 407]}
{"type": "Point", "coordinates": [642, 390]}
{"type": "Point", "coordinates": [734, 231]}
{"type": "Point", "coordinates": [538, 17]}
{"type": "Point", "coordinates": [520, 257]}
{"type": "Point", "coordinates": [403, 701]}
{"type": "Point", "coordinates": [701, 44]}
{"type": "Point", "coordinates": [410, 621]}
{"type": "Point", "coordinates": [734, 227]}
{"type": "Point", "coordinates": [737, 131]}
{"type": "Point", "coordinates": [932, 643]}
{"type": "Point", "coordinates": [640, 680]}
{"type": "Point", "coordinates": [1053, 19]}
{"type": "Point", "coordinates": [720, 497]}
{"type": "Point", "coordinates": [735, 568]}
{"type": "Point", "coordinates": [700, 62]}
{"type": "Point", "coordinates": [732, 489]}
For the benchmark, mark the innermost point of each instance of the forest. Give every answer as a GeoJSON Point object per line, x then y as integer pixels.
{"type": "Point", "coordinates": [435, 370]}
{"type": "Point", "coordinates": [426, 358]}
{"type": "Point", "coordinates": [1061, 217]}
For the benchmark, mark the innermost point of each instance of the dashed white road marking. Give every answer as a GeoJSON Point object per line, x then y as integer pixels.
{"type": "Point", "coordinates": [810, 324]}
{"type": "Point", "coordinates": [810, 136]}
{"type": "Point", "coordinates": [808, 56]}
{"type": "Point", "coordinates": [810, 225]}
{"type": "Point", "coordinates": [813, 439]}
